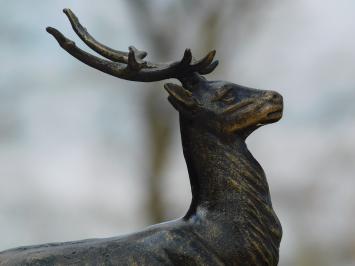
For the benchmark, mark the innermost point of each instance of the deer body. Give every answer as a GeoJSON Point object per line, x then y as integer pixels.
{"type": "Point", "coordinates": [230, 220]}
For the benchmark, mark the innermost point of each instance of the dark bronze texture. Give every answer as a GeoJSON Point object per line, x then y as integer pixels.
{"type": "Point", "coordinates": [230, 220]}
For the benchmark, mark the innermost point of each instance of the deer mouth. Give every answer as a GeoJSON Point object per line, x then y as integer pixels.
{"type": "Point", "coordinates": [274, 115]}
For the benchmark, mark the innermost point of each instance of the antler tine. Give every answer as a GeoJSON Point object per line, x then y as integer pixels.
{"type": "Point", "coordinates": [209, 69]}
{"type": "Point", "coordinates": [109, 53]}
{"type": "Point", "coordinates": [203, 65]}
{"type": "Point", "coordinates": [187, 58]}
{"type": "Point", "coordinates": [204, 62]}
{"type": "Point", "coordinates": [139, 53]}
{"type": "Point", "coordinates": [134, 63]}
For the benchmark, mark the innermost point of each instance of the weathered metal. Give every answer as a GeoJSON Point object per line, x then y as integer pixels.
{"type": "Point", "coordinates": [231, 220]}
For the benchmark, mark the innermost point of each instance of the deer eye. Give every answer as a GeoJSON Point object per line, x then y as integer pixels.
{"type": "Point", "coordinates": [224, 94]}
{"type": "Point", "coordinates": [228, 98]}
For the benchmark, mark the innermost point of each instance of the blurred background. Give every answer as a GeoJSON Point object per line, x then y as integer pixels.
{"type": "Point", "coordinates": [83, 154]}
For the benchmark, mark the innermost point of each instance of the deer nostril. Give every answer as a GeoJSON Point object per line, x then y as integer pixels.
{"type": "Point", "coordinates": [274, 96]}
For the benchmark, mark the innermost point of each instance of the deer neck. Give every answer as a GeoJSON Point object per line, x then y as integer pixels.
{"type": "Point", "coordinates": [223, 173]}
{"type": "Point", "coordinates": [230, 195]}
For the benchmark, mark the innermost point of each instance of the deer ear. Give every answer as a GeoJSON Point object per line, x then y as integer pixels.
{"type": "Point", "coordinates": [180, 95]}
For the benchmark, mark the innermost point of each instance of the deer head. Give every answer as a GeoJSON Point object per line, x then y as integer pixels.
{"type": "Point", "coordinates": [224, 108]}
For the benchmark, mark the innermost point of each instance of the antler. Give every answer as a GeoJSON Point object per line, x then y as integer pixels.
{"type": "Point", "coordinates": [130, 65]}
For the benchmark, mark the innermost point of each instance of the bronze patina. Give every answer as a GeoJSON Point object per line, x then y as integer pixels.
{"type": "Point", "coordinates": [231, 220]}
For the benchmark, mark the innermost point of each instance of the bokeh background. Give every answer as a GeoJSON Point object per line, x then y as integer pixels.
{"type": "Point", "coordinates": [83, 154]}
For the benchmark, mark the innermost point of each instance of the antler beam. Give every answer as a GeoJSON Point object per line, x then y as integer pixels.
{"type": "Point", "coordinates": [109, 53]}
{"type": "Point", "coordinates": [129, 65]}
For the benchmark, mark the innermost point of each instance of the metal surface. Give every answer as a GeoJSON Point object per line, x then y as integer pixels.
{"type": "Point", "coordinates": [231, 220]}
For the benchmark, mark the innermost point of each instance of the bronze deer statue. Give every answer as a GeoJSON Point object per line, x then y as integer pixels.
{"type": "Point", "coordinates": [231, 220]}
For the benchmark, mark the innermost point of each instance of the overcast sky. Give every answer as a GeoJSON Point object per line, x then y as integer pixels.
{"type": "Point", "coordinates": [73, 144]}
